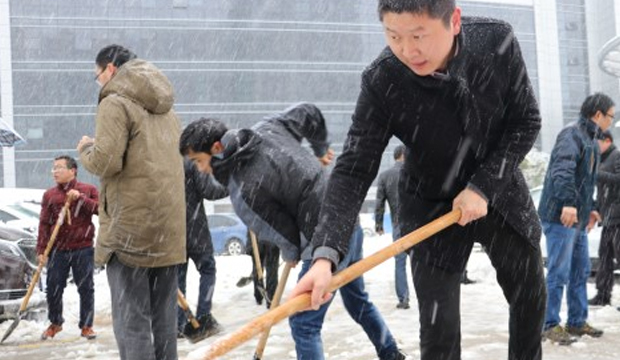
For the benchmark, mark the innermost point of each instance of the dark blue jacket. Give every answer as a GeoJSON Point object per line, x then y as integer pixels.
{"type": "Point", "coordinates": [571, 175]}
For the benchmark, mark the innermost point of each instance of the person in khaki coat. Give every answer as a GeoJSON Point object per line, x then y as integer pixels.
{"type": "Point", "coordinates": [142, 204]}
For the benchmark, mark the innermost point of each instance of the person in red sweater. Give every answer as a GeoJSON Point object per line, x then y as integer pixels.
{"type": "Point", "coordinates": [73, 247]}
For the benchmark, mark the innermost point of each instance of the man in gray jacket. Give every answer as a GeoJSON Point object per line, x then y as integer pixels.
{"type": "Point", "coordinates": [141, 236]}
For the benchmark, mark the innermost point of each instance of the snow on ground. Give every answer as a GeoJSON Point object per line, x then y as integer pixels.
{"type": "Point", "coordinates": [484, 320]}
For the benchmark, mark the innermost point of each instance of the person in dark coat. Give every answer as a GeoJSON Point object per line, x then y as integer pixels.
{"type": "Point", "coordinates": [567, 213]}
{"type": "Point", "coordinates": [198, 187]}
{"type": "Point", "coordinates": [455, 91]}
{"type": "Point", "coordinates": [72, 250]}
{"type": "Point", "coordinates": [387, 190]}
{"type": "Point", "coordinates": [276, 188]}
{"type": "Point", "coordinates": [608, 202]}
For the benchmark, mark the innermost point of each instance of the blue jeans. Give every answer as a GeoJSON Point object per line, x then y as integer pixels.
{"type": "Point", "coordinates": [81, 263]}
{"type": "Point", "coordinates": [205, 264]}
{"type": "Point", "coordinates": [400, 271]}
{"type": "Point", "coordinates": [306, 326]}
{"type": "Point", "coordinates": [568, 265]}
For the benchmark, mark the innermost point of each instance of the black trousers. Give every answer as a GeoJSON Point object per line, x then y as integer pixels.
{"type": "Point", "coordinates": [609, 248]}
{"type": "Point", "coordinates": [270, 261]}
{"type": "Point", "coordinates": [520, 274]}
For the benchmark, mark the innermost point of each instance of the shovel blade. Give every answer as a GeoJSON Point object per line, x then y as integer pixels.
{"type": "Point", "coordinates": [206, 329]}
{"type": "Point", "coordinates": [244, 281]}
{"type": "Point", "coordinates": [11, 328]}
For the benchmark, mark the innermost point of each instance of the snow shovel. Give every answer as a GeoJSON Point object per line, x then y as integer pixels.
{"type": "Point", "coordinates": [260, 348]}
{"type": "Point", "coordinates": [301, 302]}
{"type": "Point", "coordinates": [193, 331]}
{"type": "Point", "coordinates": [64, 212]}
{"type": "Point", "coordinates": [259, 269]}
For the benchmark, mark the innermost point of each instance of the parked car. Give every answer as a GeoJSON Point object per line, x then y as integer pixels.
{"type": "Point", "coordinates": [18, 262]}
{"type": "Point", "coordinates": [228, 233]}
{"type": "Point", "coordinates": [19, 215]}
{"type": "Point", "coordinates": [594, 236]}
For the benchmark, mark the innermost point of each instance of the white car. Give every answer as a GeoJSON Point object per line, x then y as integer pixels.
{"type": "Point", "coordinates": [594, 236]}
{"type": "Point", "coordinates": [17, 216]}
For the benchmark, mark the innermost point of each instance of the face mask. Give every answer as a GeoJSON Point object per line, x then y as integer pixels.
{"type": "Point", "coordinates": [219, 156]}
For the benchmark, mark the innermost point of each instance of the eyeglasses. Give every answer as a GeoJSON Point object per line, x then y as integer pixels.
{"type": "Point", "coordinates": [58, 168]}
{"type": "Point", "coordinates": [611, 116]}
{"type": "Point", "coordinates": [98, 75]}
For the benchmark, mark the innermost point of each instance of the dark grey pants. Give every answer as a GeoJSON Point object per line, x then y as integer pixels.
{"type": "Point", "coordinates": [144, 312]}
{"type": "Point", "coordinates": [609, 248]}
{"type": "Point", "coordinates": [519, 273]}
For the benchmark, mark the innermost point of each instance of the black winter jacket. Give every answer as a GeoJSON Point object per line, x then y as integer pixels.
{"type": "Point", "coordinates": [471, 126]}
{"type": "Point", "coordinates": [198, 187]}
{"type": "Point", "coordinates": [276, 186]}
{"type": "Point", "coordinates": [608, 186]}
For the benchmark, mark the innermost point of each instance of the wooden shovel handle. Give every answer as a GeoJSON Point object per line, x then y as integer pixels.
{"type": "Point", "coordinates": [256, 255]}
{"type": "Point", "coordinates": [262, 343]}
{"type": "Point", "coordinates": [61, 218]}
{"type": "Point", "coordinates": [301, 302]}
{"type": "Point", "coordinates": [185, 306]}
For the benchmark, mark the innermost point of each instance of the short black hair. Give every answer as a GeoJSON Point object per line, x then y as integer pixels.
{"type": "Point", "coordinates": [436, 9]}
{"type": "Point", "coordinates": [201, 134]}
{"type": "Point", "coordinates": [399, 151]}
{"type": "Point", "coordinates": [607, 135]}
{"type": "Point", "coordinates": [596, 102]}
{"type": "Point", "coordinates": [115, 54]}
{"type": "Point", "coordinates": [69, 160]}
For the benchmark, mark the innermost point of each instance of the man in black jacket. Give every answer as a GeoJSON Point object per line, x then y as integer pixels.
{"type": "Point", "coordinates": [199, 246]}
{"type": "Point", "coordinates": [608, 192]}
{"type": "Point", "coordinates": [456, 93]}
{"type": "Point", "coordinates": [276, 187]}
{"type": "Point", "coordinates": [387, 190]}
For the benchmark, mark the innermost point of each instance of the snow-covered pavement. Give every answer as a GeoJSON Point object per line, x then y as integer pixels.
{"type": "Point", "coordinates": [484, 321]}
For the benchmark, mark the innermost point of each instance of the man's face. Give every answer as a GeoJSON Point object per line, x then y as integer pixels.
{"type": "Point", "coordinates": [202, 160]}
{"type": "Point", "coordinates": [62, 174]}
{"type": "Point", "coordinates": [420, 42]}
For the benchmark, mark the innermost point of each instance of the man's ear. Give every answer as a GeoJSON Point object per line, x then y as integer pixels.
{"type": "Point", "coordinates": [217, 148]}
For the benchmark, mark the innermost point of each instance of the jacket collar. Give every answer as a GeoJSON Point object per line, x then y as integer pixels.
{"type": "Point", "coordinates": [67, 186]}
{"type": "Point", "coordinates": [239, 147]}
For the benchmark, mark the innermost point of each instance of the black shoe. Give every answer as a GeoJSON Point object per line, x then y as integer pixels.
{"type": "Point", "coordinates": [396, 356]}
{"type": "Point", "coordinates": [403, 305]}
{"type": "Point", "coordinates": [599, 301]}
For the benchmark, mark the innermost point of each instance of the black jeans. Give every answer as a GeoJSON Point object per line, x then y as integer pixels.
{"type": "Point", "coordinates": [81, 263]}
{"type": "Point", "coordinates": [519, 273]}
{"type": "Point", "coordinates": [270, 261]}
{"type": "Point", "coordinates": [609, 248]}
{"type": "Point", "coordinates": [205, 264]}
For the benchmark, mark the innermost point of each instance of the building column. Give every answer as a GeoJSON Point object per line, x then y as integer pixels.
{"type": "Point", "coordinates": [549, 74]}
{"type": "Point", "coordinates": [6, 90]}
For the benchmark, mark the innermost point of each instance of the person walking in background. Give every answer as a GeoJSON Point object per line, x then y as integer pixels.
{"type": "Point", "coordinates": [199, 187]}
{"type": "Point", "coordinates": [566, 212]}
{"type": "Point", "coordinates": [141, 236]}
{"type": "Point", "coordinates": [387, 190]}
{"type": "Point", "coordinates": [276, 188]}
{"type": "Point", "coordinates": [436, 88]}
{"type": "Point", "coordinates": [608, 201]}
{"type": "Point", "coordinates": [72, 250]}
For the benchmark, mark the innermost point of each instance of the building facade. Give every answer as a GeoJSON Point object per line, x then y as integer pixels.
{"type": "Point", "coordinates": [240, 61]}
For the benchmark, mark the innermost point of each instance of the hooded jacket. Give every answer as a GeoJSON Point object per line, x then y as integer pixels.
{"type": "Point", "coordinates": [135, 154]}
{"type": "Point", "coordinates": [470, 126]}
{"type": "Point", "coordinates": [275, 185]}
{"type": "Point", "coordinates": [571, 174]}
